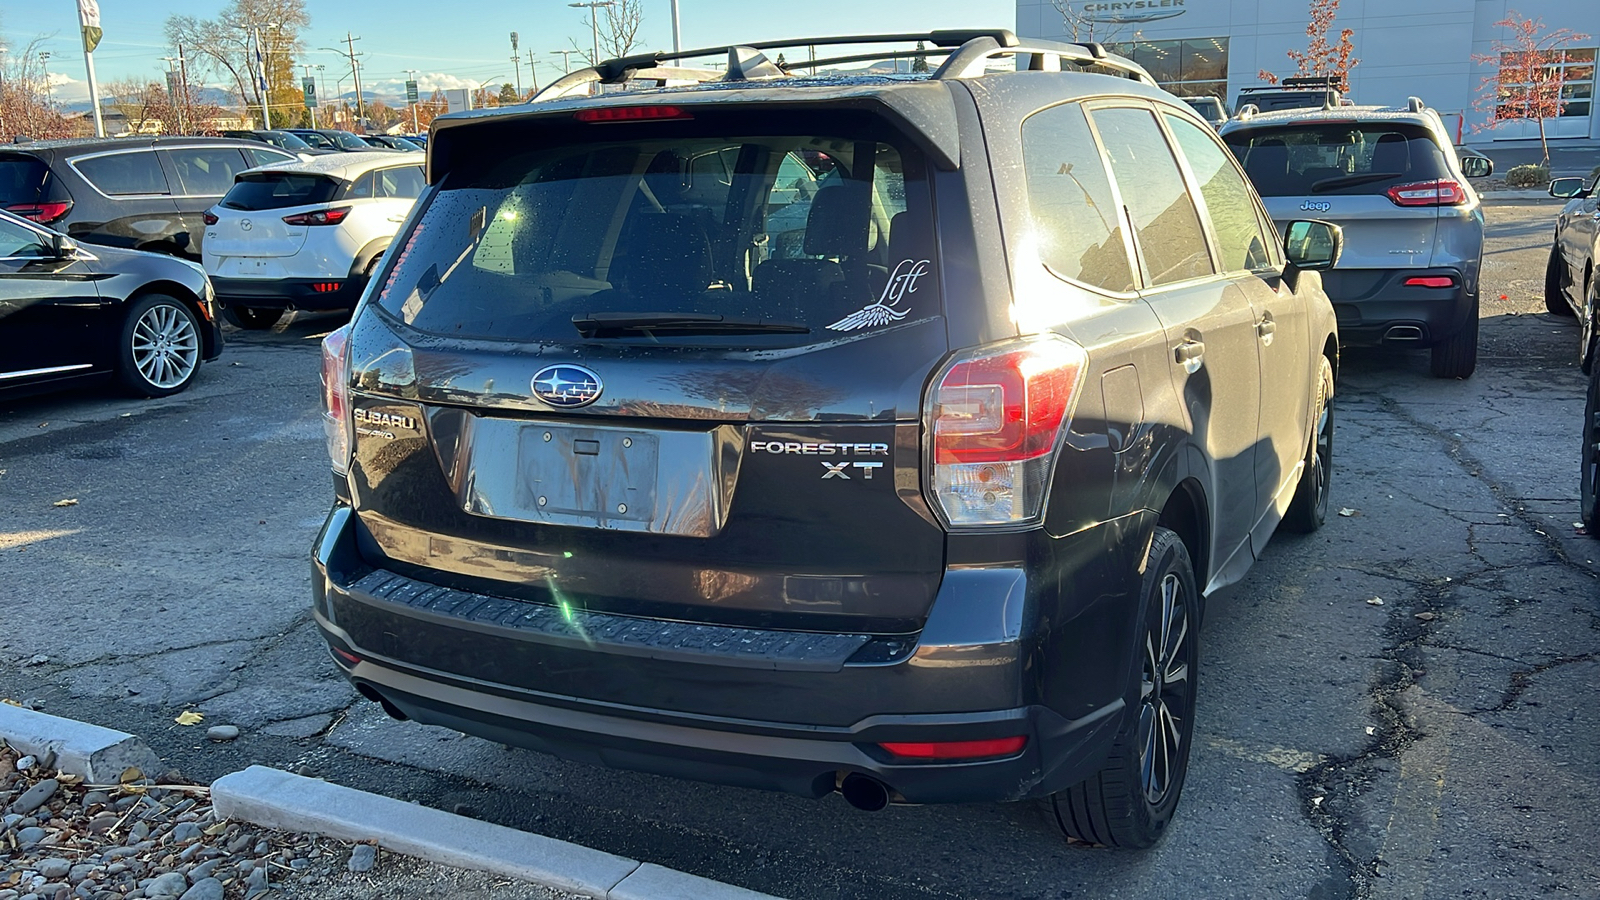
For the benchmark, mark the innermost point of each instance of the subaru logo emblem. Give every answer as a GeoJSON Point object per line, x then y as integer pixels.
{"type": "Point", "coordinates": [567, 386]}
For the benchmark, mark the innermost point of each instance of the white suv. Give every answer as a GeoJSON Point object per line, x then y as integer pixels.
{"type": "Point", "coordinates": [306, 235]}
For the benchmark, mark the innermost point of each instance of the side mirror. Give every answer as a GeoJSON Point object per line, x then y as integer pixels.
{"type": "Point", "coordinates": [1477, 166]}
{"type": "Point", "coordinates": [1313, 245]}
{"type": "Point", "coordinates": [1566, 188]}
{"type": "Point", "coordinates": [62, 246]}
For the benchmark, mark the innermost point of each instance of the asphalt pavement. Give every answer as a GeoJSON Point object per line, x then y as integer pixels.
{"type": "Point", "coordinates": [1439, 743]}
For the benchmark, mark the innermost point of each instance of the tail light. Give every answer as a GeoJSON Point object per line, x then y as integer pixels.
{"type": "Point", "coordinates": [997, 415]}
{"type": "Point", "coordinates": [630, 114]}
{"type": "Point", "coordinates": [336, 397]}
{"type": "Point", "coordinates": [319, 217]}
{"type": "Point", "coordinates": [1442, 192]}
{"type": "Point", "coordinates": [1430, 281]}
{"type": "Point", "coordinates": [43, 213]}
{"type": "Point", "coordinates": [984, 749]}
{"type": "Point", "coordinates": [209, 217]}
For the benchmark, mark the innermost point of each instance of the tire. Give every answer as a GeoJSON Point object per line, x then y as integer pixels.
{"type": "Point", "coordinates": [159, 351]}
{"type": "Point", "coordinates": [252, 318]}
{"type": "Point", "coordinates": [1309, 508]}
{"type": "Point", "coordinates": [1554, 299]}
{"type": "Point", "coordinates": [1123, 805]}
{"type": "Point", "coordinates": [1457, 355]}
{"type": "Point", "coordinates": [1589, 488]}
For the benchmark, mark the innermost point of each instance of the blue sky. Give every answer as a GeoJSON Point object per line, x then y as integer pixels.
{"type": "Point", "coordinates": [452, 42]}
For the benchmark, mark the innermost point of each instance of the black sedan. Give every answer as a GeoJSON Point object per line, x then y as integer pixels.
{"type": "Point", "coordinates": [1571, 287]}
{"type": "Point", "coordinates": [71, 313]}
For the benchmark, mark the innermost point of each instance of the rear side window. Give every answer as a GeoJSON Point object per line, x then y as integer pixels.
{"type": "Point", "coordinates": [1240, 240]}
{"type": "Point", "coordinates": [138, 172]}
{"type": "Point", "coordinates": [1076, 220]}
{"type": "Point", "coordinates": [405, 182]}
{"type": "Point", "coordinates": [1165, 222]}
{"type": "Point", "coordinates": [278, 190]}
{"type": "Point", "coordinates": [21, 179]}
{"type": "Point", "coordinates": [208, 171]}
{"type": "Point", "coordinates": [260, 156]}
{"type": "Point", "coordinates": [1349, 158]}
{"type": "Point", "coordinates": [829, 233]}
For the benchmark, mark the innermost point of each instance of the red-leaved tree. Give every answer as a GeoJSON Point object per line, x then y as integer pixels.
{"type": "Point", "coordinates": [1321, 58]}
{"type": "Point", "coordinates": [1528, 74]}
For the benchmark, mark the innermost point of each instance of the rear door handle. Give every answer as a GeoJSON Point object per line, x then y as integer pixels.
{"type": "Point", "coordinates": [1190, 354]}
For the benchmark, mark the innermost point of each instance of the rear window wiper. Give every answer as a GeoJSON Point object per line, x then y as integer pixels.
{"type": "Point", "coordinates": [616, 324]}
{"type": "Point", "coordinates": [1339, 181]}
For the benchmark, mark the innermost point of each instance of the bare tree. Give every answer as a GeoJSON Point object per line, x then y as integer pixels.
{"type": "Point", "coordinates": [1320, 57]}
{"type": "Point", "coordinates": [619, 26]}
{"type": "Point", "coordinates": [25, 107]}
{"type": "Point", "coordinates": [1087, 26]}
{"type": "Point", "coordinates": [1529, 74]}
{"type": "Point", "coordinates": [246, 37]}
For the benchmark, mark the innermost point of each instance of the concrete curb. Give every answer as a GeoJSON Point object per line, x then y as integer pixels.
{"type": "Point", "coordinates": [97, 755]}
{"type": "Point", "coordinates": [1518, 195]}
{"type": "Point", "coordinates": [278, 799]}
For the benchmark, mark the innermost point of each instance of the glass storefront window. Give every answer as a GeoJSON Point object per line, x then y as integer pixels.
{"type": "Point", "coordinates": [1192, 67]}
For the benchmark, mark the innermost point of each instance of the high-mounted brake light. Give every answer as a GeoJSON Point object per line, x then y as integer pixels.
{"type": "Point", "coordinates": [1442, 192]}
{"type": "Point", "coordinates": [1430, 281]}
{"type": "Point", "coordinates": [984, 749]}
{"type": "Point", "coordinates": [336, 397]}
{"type": "Point", "coordinates": [630, 114]}
{"type": "Point", "coordinates": [997, 415]}
{"type": "Point", "coordinates": [318, 217]}
{"type": "Point", "coordinates": [43, 213]}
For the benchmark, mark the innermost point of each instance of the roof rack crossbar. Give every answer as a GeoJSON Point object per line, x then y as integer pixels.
{"type": "Point", "coordinates": [613, 69]}
{"type": "Point", "coordinates": [972, 58]}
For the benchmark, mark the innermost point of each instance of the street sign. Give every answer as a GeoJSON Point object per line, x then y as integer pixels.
{"type": "Point", "coordinates": [411, 92]}
{"type": "Point", "coordinates": [309, 86]}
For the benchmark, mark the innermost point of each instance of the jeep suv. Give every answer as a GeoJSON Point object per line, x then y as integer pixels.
{"type": "Point", "coordinates": [918, 504]}
{"type": "Point", "coordinates": [1413, 227]}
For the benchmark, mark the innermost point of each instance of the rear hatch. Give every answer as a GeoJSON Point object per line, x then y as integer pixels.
{"type": "Point", "coordinates": [669, 367]}
{"type": "Point", "coordinates": [1370, 178]}
{"type": "Point", "coordinates": [28, 189]}
{"type": "Point", "coordinates": [250, 218]}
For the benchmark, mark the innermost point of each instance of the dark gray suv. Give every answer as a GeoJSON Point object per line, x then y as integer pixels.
{"type": "Point", "coordinates": [869, 434]}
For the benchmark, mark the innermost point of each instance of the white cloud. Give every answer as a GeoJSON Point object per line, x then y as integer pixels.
{"type": "Point", "coordinates": [67, 89]}
{"type": "Point", "coordinates": [427, 83]}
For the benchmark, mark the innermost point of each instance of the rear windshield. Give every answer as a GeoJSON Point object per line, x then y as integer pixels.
{"type": "Point", "coordinates": [285, 140]}
{"type": "Point", "coordinates": [277, 190]}
{"type": "Point", "coordinates": [21, 179]}
{"type": "Point", "coordinates": [817, 235]}
{"type": "Point", "coordinates": [347, 141]}
{"type": "Point", "coordinates": [1343, 158]}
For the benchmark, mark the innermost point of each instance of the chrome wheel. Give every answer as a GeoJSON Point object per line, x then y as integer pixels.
{"type": "Point", "coordinates": [165, 345]}
{"type": "Point", "coordinates": [1164, 693]}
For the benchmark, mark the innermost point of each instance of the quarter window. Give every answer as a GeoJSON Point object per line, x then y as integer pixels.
{"type": "Point", "coordinates": [208, 171]}
{"type": "Point", "coordinates": [138, 172]}
{"type": "Point", "coordinates": [405, 182]}
{"type": "Point", "coordinates": [1075, 219]}
{"type": "Point", "coordinates": [1165, 222]}
{"type": "Point", "coordinates": [1240, 242]}
{"type": "Point", "coordinates": [16, 241]}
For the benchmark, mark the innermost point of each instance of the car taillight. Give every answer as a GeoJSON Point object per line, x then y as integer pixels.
{"type": "Point", "coordinates": [319, 217]}
{"type": "Point", "coordinates": [997, 414]}
{"type": "Point", "coordinates": [630, 114]}
{"type": "Point", "coordinates": [209, 217]}
{"type": "Point", "coordinates": [1442, 192]}
{"type": "Point", "coordinates": [984, 749]}
{"type": "Point", "coordinates": [336, 397]}
{"type": "Point", "coordinates": [1430, 281]}
{"type": "Point", "coordinates": [43, 213]}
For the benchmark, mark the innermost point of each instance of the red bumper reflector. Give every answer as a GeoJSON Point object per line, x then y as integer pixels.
{"type": "Point", "coordinates": [326, 287]}
{"type": "Point", "coordinates": [1007, 746]}
{"type": "Point", "coordinates": [1430, 281]}
{"type": "Point", "coordinates": [348, 659]}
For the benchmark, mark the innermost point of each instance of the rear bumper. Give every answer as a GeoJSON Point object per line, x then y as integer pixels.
{"type": "Point", "coordinates": [701, 701]}
{"type": "Point", "coordinates": [288, 293]}
{"type": "Point", "coordinates": [1376, 306]}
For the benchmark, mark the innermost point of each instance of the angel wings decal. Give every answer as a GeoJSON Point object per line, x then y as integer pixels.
{"type": "Point", "coordinates": [902, 281]}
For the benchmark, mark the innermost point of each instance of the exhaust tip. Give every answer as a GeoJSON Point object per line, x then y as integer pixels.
{"type": "Point", "coordinates": [864, 792]}
{"type": "Point", "coordinates": [1403, 333]}
{"type": "Point", "coordinates": [371, 693]}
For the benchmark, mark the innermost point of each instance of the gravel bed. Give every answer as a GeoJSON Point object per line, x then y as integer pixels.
{"type": "Point", "coordinates": [61, 839]}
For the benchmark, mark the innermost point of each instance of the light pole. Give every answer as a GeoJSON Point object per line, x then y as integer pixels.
{"type": "Point", "coordinates": [322, 89]}
{"type": "Point", "coordinates": [411, 76]}
{"type": "Point", "coordinates": [677, 38]}
{"type": "Point", "coordinates": [516, 64]}
{"type": "Point", "coordinates": [3, 51]}
{"type": "Point", "coordinates": [44, 66]}
{"type": "Point", "coordinates": [594, 7]}
{"type": "Point", "coordinates": [566, 61]}
{"type": "Point", "coordinates": [172, 91]}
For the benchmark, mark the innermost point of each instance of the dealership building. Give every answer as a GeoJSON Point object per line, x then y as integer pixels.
{"type": "Point", "coordinates": [1422, 48]}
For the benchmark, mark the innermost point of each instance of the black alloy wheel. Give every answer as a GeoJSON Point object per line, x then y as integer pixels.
{"type": "Point", "coordinates": [1129, 803]}
{"type": "Point", "coordinates": [1309, 508]}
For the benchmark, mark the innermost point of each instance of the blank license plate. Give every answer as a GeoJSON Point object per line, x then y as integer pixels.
{"type": "Point", "coordinates": [588, 472]}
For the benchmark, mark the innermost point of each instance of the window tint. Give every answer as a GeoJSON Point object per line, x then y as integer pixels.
{"type": "Point", "coordinates": [677, 224]}
{"type": "Point", "coordinates": [206, 171]}
{"type": "Point", "coordinates": [405, 182]}
{"type": "Point", "coordinates": [1077, 222]}
{"type": "Point", "coordinates": [18, 241]}
{"type": "Point", "coordinates": [1164, 219]}
{"type": "Point", "coordinates": [279, 190]}
{"type": "Point", "coordinates": [363, 188]}
{"type": "Point", "coordinates": [138, 172]}
{"type": "Point", "coordinates": [21, 179]}
{"type": "Point", "coordinates": [1240, 242]}
{"type": "Point", "coordinates": [1336, 159]}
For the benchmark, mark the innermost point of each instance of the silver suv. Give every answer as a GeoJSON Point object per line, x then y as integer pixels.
{"type": "Point", "coordinates": [1413, 227]}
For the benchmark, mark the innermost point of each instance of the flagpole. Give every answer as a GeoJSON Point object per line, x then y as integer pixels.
{"type": "Point", "coordinates": [94, 94]}
{"type": "Point", "coordinates": [89, 22]}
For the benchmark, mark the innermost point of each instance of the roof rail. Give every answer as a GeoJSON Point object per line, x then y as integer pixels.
{"type": "Point", "coordinates": [1415, 104]}
{"type": "Point", "coordinates": [967, 53]}
{"type": "Point", "coordinates": [1247, 112]}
